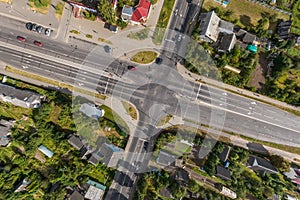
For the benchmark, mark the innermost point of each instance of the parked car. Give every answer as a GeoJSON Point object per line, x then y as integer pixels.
{"type": "Point", "coordinates": [29, 26]}
{"type": "Point", "coordinates": [20, 38]}
{"type": "Point", "coordinates": [39, 29]}
{"type": "Point", "coordinates": [158, 61]}
{"type": "Point", "coordinates": [37, 43]}
{"type": "Point", "coordinates": [111, 27]}
{"type": "Point", "coordinates": [130, 67]}
{"type": "Point", "coordinates": [34, 26]}
{"type": "Point", "coordinates": [48, 32]}
{"type": "Point", "coordinates": [107, 49]}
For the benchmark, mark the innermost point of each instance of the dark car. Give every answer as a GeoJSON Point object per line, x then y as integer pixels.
{"type": "Point", "coordinates": [107, 49]}
{"type": "Point", "coordinates": [47, 32]}
{"type": "Point", "coordinates": [37, 43]}
{"type": "Point", "coordinates": [20, 38]}
{"type": "Point", "coordinates": [39, 29]}
{"type": "Point", "coordinates": [130, 67]}
{"type": "Point", "coordinates": [158, 61]}
{"type": "Point", "coordinates": [29, 26]}
{"type": "Point", "coordinates": [34, 26]}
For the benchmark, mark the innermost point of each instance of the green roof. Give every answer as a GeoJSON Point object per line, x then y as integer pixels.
{"type": "Point", "coordinates": [252, 48]}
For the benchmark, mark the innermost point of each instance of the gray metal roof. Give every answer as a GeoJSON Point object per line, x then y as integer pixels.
{"type": "Point", "coordinates": [46, 151]}
{"type": "Point", "coordinates": [91, 111]}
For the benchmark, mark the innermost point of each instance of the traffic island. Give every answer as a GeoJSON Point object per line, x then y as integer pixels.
{"type": "Point", "coordinates": [144, 57]}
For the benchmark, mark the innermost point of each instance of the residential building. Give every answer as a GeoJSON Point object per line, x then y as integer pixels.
{"type": "Point", "coordinates": [110, 154]}
{"type": "Point", "coordinates": [5, 127]}
{"type": "Point", "coordinates": [283, 29]}
{"type": "Point", "coordinates": [209, 26]}
{"type": "Point", "coordinates": [165, 158]}
{"type": "Point", "coordinates": [17, 97]}
{"type": "Point", "coordinates": [246, 37]}
{"type": "Point", "coordinates": [227, 43]}
{"type": "Point", "coordinates": [76, 196]}
{"type": "Point", "coordinates": [23, 185]}
{"type": "Point", "coordinates": [223, 156]}
{"type": "Point", "coordinates": [141, 12]}
{"type": "Point", "coordinates": [46, 151]}
{"type": "Point", "coordinates": [95, 191]}
{"type": "Point", "coordinates": [223, 173]}
{"type": "Point", "coordinates": [297, 41]}
{"type": "Point", "coordinates": [223, 2]}
{"type": "Point", "coordinates": [165, 192]}
{"type": "Point", "coordinates": [127, 12]}
{"type": "Point", "coordinates": [226, 27]}
{"type": "Point", "coordinates": [293, 175]}
{"type": "Point", "coordinates": [112, 28]}
{"type": "Point", "coordinates": [182, 176]}
{"type": "Point", "coordinates": [261, 165]}
{"type": "Point", "coordinates": [91, 111]}
{"type": "Point", "coordinates": [94, 158]}
{"type": "Point", "coordinates": [76, 142]}
{"type": "Point", "coordinates": [225, 191]}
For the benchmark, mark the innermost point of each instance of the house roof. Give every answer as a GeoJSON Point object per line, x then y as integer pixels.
{"type": "Point", "coordinates": [165, 193]}
{"type": "Point", "coordinates": [22, 186]}
{"type": "Point", "coordinates": [209, 25]}
{"type": "Point", "coordinates": [75, 142]}
{"type": "Point", "coordinates": [165, 158]}
{"type": "Point", "coordinates": [96, 184]}
{"type": "Point", "coordinates": [227, 43]}
{"type": "Point", "coordinates": [223, 173]}
{"type": "Point", "coordinates": [76, 196]}
{"type": "Point", "coordinates": [294, 175]}
{"type": "Point", "coordinates": [5, 127]}
{"type": "Point", "coordinates": [127, 10]}
{"type": "Point", "coordinates": [223, 156]}
{"type": "Point", "coordinates": [45, 151]}
{"type": "Point", "coordinates": [182, 175]}
{"type": "Point", "coordinates": [249, 38]}
{"type": "Point", "coordinates": [261, 164]}
{"type": "Point", "coordinates": [141, 12]}
{"type": "Point", "coordinates": [19, 97]}
{"type": "Point", "coordinates": [91, 110]}
{"type": "Point", "coordinates": [226, 26]}
{"type": "Point", "coordinates": [94, 193]}
{"type": "Point", "coordinates": [94, 158]}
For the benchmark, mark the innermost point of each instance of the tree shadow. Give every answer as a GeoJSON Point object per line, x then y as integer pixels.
{"type": "Point", "coordinates": [246, 20]}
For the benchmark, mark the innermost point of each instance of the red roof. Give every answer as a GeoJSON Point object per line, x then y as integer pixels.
{"type": "Point", "coordinates": [141, 12]}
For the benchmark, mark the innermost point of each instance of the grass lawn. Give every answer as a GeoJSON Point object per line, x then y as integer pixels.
{"type": "Point", "coordinates": [52, 82]}
{"type": "Point", "coordinates": [40, 6]}
{"type": "Point", "coordinates": [247, 13]}
{"type": "Point", "coordinates": [130, 109]}
{"type": "Point", "coordinates": [296, 19]}
{"type": "Point", "coordinates": [10, 111]}
{"type": "Point", "coordinates": [144, 57]}
{"type": "Point", "coordinates": [59, 10]}
{"type": "Point", "coordinates": [139, 35]}
{"type": "Point", "coordinates": [294, 52]}
{"type": "Point", "coordinates": [163, 21]}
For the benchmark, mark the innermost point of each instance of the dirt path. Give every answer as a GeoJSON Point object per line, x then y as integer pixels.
{"type": "Point", "coordinates": [258, 76]}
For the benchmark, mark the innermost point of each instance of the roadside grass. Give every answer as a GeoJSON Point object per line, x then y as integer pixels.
{"type": "Point", "coordinates": [130, 109]}
{"type": "Point", "coordinates": [40, 6]}
{"type": "Point", "coordinates": [139, 35]}
{"type": "Point", "coordinates": [75, 32]}
{"type": "Point", "coordinates": [8, 110]}
{"type": "Point", "coordinates": [247, 13]}
{"type": "Point", "coordinates": [114, 117]}
{"type": "Point", "coordinates": [164, 120]}
{"type": "Point", "coordinates": [52, 82]}
{"type": "Point", "coordinates": [294, 52]}
{"type": "Point", "coordinates": [144, 57]}
{"type": "Point", "coordinates": [7, 1]}
{"type": "Point", "coordinates": [163, 21]}
{"type": "Point", "coordinates": [89, 36]}
{"type": "Point", "coordinates": [296, 19]}
{"type": "Point", "coordinates": [59, 9]}
{"type": "Point", "coordinates": [104, 40]}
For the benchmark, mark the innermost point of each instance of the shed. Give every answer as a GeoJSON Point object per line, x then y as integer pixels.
{"type": "Point", "coordinates": [46, 151]}
{"type": "Point", "coordinates": [252, 48]}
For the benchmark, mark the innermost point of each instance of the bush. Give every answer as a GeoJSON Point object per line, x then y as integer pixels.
{"type": "Point", "coordinates": [88, 36]}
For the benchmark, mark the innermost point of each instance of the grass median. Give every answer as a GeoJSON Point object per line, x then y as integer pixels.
{"type": "Point", "coordinates": [130, 109]}
{"type": "Point", "coordinates": [52, 82]}
{"type": "Point", "coordinates": [144, 57]}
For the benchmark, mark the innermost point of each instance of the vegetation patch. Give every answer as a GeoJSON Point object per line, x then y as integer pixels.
{"type": "Point", "coordinates": [164, 120]}
{"type": "Point", "coordinates": [89, 36]}
{"type": "Point", "coordinates": [140, 35]}
{"type": "Point", "coordinates": [144, 57]}
{"type": "Point", "coordinates": [75, 32]}
{"type": "Point", "coordinates": [40, 6]}
{"type": "Point", "coordinates": [104, 40]}
{"type": "Point", "coordinates": [163, 21]}
{"type": "Point", "coordinates": [296, 19]}
{"type": "Point", "coordinates": [7, 1]}
{"type": "Point", "coordinates": [59, 9]}
{"type": "Point", "coordinates": [130, 109]}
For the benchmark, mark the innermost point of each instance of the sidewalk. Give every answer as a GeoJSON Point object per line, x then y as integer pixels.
{"type": "Point", "coordinates": [193, 77]}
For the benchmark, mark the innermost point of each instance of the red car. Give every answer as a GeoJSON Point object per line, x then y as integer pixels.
{"type": "Point", "coordinates": [132, 68]}
{"type": "Point", "coordinates": [20, 38]}
{"type": "Point", "coordinates": [37, 43]}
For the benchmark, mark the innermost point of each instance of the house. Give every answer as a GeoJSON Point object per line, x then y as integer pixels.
{"type": "Point", "coordinates": [223, 173]}
{"type": "Point", "coordinates": [75, 142]}
{"type": "Point", "coordinates": [95, 191]}
{"type": "Point", "coordinates": [227, 43]}
{"type": "Point", "coordinates": [110, 154]}
{"type": "Point", "coordinates": [5, 127]}
{"type": "Point", "coordinates": [182, 176]}
{"type": "Point", "coordinates": [94, 158]}
{"type": "Point", "coordinates": [298, 41]}
{"type": "Point", "coordinates": [223, 156]}
{"type": "Point", "coordinates": [261, 165]}
{"type": "Point", "coordinates": [165, 192]}
{"type": "Point", "coordinates": [209, 26]}
{"type": "Point", "coordinates": [283, 29]}
{"type": "Point", "coordinates": [76, 196]}
{"type": "Point", "coordinates": [82, 5]}
{"type": "Point", "coordinates": [288, 197]}
{"type": "Point", "coordinates": [226, 27]}
{"type": "Point", "coordinates": [45, 151]}
{"type": "Point", "coordinates": [127, 12]}
{"type": "Point", "coordinates": [249, 38]}
{"type": "Point", "coordinates": [141, 12]}
{"type": "Point", "coordinates": [17, 97]}
{"type": "Point", "coordinates": [223, 2]}
{"type": "Point", "coordinates": [91, 111]}
{"type": "Point", "coordinates": [293, 175]}
{"type": "Point", "coordinates": [23, 185]}
{"type": "Point", "coordinates": [165, 158]}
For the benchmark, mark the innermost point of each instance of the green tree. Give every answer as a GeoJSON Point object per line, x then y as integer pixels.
{"type": "Point", "coordinates": [193, 186]}
{"type": "Point", "coordinates": [106, 11]}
